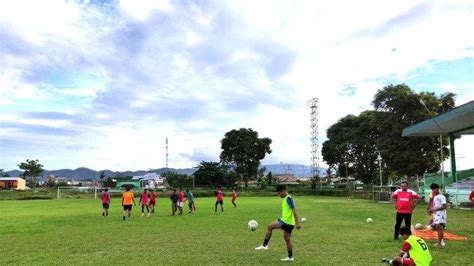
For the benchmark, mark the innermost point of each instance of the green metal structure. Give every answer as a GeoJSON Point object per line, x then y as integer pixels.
{"type": "Point", "coordinates": [453, 123]}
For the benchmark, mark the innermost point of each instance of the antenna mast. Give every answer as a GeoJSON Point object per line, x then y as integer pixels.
{"type": "Point", "coordinates": [313, 105]}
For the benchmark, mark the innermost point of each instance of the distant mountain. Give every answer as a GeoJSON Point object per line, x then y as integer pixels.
{"type": "Point", "coordinates": [83, 173]}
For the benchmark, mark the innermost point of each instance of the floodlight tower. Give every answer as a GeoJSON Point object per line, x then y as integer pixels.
{"type": "Point", "coordinates": [313, 105]}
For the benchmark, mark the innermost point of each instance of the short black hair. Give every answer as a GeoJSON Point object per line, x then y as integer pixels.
{"type": "Point", "coordinates": [106, 189]}
{"type": "Point", "coordinates": [434, 185]}
{"type": "Point", "coordinates": [404, 182]}
{"type": "Point", "coordinates": [280, 188]}
{"type": "Point", "coordinates": [127, 188]}
{"type": "Point", "coordinates": [405, 231]}
{"type": "Point", "coordinates": [187, 190]}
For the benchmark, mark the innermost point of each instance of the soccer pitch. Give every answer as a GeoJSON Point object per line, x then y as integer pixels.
{"type": "Point", "coordinates": [73, 231]}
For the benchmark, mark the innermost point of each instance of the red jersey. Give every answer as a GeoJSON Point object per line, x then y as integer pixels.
{"type": "Point", "coordinates": [220, 196]}
{"type": "Point", "coordinates": [405, 200]}
{"type": "Point", "coordinates": [145, 198]}
{"type": "Point", "coordinates": [105, 197]}
{"type": "Point", "coordinates": [471, 196]}
{"type": "Point", "coordinates": [181, 196]}
{"type": "Point", "coordinates": [153, 197]}
{"type": "Point", "coordinates": [234, 195]}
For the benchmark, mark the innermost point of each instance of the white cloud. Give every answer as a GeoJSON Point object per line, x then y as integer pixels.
{"type": "Point", "coordinates": [142, 10]}
{"type": "Point", "coordinates": [193, 78]}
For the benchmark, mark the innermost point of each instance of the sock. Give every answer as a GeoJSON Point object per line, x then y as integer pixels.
{"type": "Point", "coordinates": [390, 261]}
{"type": "Point", "coordinates": [124, 218]}
{"type": "Point", "coordinates": [265, 242]}
{"type": "Point", "coordinates": [103, 214]}
{"type": "Point", "coordinates": [290, 253]}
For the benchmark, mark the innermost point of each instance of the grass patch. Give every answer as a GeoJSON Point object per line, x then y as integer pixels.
{"type": "Point", "coordinates": [73, 231]}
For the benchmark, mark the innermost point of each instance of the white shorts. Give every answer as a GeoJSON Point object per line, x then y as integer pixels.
{"type": "Point", "coordinates": [180, 204]}
{"type": "Point", "coordinates": [439, 219]}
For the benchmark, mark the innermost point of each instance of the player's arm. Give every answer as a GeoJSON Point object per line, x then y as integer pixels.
{"type": "Point", "coordinates": [394, 199]}
{"type": "Point", "coordinates": [418, 199]}
{"type": "Point", "coordinates": [405, 248]}
{"type": "Point", "coordinates": [122, 200]}
{"type": "Point", "coordinates": [298, 224]}
{"type": "Point", "coordinates": [443, 207]}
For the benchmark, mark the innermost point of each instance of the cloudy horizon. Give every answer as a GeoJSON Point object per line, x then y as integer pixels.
{"type": "Point", "coordinates": [102, 84]}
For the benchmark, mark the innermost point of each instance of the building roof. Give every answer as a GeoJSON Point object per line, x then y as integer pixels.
{"type": "Point", "coordinates": [459, 120]}
{"type": "Point", "coordinates": [10, 178]}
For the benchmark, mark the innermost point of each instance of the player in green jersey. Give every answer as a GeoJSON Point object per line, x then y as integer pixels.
{"type": "Point", "coordinates": [414, 251]}
{"type": "Point", "coordinates": [289, 220]}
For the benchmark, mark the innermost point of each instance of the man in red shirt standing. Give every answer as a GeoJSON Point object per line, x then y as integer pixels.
{"type": "Point", "coordinates": [105, 202]}
{"type": "Point", "coordinates": [405, 201]}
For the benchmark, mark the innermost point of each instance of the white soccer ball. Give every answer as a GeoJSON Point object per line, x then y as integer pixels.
{"type": "Point", "coordinates": [303, 219]}
{"type": "Point", "coordinates": [253, 225]}
{"type": "Point", "coordinates": [369, 220]}
{"type": "Point", "coordinates": [419, 226]}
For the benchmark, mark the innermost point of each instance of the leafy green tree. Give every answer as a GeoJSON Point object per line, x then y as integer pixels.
{"type": "Point", "coordinates": [351, 145]}
{"type": "Point", "coordinates": [32, 169]}
{"type": "Point", "coordinates": [3, 173]}
{"type": "Point", "coordinates": [243, 150]}
{"type": "Point", "coordinates": [176, 180]}
{"type": "Point", "coordinates": [397, 108]}
{"type": "Point", "coordinates": [102, 177]}
{"type": "Point", "coordinates": [210, 174]}
{"type": "Point", "coordinates": [230, 179]}
{"type": "Point", "coordinates": [269, 178]}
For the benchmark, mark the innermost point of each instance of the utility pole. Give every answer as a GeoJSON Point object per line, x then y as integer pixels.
{"type": "Point", "coordinates": [440, 142]}
{"type": "Point", "coordinates": [379, 158]}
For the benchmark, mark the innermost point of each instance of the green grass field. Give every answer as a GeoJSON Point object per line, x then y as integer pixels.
{"type": "Point", "coordinates": [336, 233]}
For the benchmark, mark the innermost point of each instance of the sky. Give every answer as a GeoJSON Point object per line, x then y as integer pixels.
{"type": "Point", "coordinates": [102, 84]}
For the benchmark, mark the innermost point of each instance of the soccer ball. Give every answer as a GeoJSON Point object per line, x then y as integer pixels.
{"type": "Point", "coordinates": [418, 226]}
{"type": "Point", "coordinates": [303, 219]}
{"type": "Point", "coordinates": [369, 220]}
{"type": "Point", "coordinates": [253, 225]}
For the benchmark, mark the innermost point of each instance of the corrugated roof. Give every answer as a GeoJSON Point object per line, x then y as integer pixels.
{"type": "Point", "coordinates": [459, 120]}
{"type": "Point", "coordinates": [10, 178]}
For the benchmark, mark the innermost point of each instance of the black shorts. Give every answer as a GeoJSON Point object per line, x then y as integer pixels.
{"type": "Point", "coordinates": [221, 202]}
{"type": "Point", "coordinates": [127, 207]}
{"type": "Point", "coordinates": [285, 227]}
{"type": "Point", "coordinates": [105, 206]}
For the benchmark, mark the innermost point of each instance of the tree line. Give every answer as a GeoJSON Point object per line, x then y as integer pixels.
{"type": "Point", "coordinates": [358, 145]}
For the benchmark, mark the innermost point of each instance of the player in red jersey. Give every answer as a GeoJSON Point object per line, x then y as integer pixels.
{"type": "Point", "coordinates": [219, 199]}
{"type": "Point", "coordinates": [234, 197]}
{"type": "Point", "coordinates": [405, 201]}
{"type": "Point", "coordinates": [152, 196]}
{"type": "Point", "coordinates": [181, 199]}
{"type": "Point", "coordinates": [105, 202]}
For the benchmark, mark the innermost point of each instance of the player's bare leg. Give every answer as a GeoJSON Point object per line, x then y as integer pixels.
{"type": "Point", "coordinates": [289, 246]}
{"type": "Point", "coordinates": [268, 235]}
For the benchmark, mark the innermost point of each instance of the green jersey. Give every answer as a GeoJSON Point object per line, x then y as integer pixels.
{"type": "Point", "coordinates": [419, 251]}
{"type": "Point", "coordinates": [286, 210]}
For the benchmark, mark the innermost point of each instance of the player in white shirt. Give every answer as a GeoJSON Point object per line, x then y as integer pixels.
{"type": "Point", "coordinates": [439, 213]}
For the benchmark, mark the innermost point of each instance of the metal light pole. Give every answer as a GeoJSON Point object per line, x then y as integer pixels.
{"type": "Point", "coordinates": [440, 143]}
{"type": "Point", "coordinates": [380, 167]}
